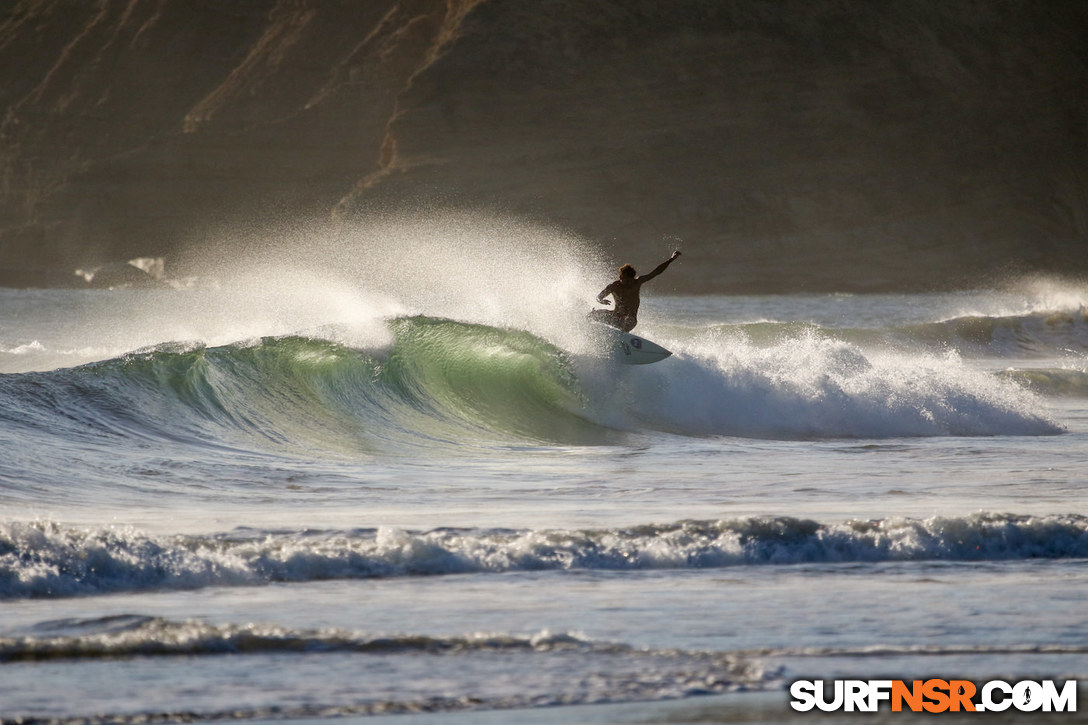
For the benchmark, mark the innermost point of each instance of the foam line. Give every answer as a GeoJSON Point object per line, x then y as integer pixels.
{"type": "Point", "coordinates": [43, 559]}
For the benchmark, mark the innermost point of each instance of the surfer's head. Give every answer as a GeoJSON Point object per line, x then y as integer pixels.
{"type": "Point", "coordinates": [627, 272]}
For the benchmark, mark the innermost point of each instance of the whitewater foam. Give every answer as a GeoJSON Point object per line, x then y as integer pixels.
{"type": "Point", "coordinates": [811, 386]}
{"type": "Point", "coordinates": [45, 559]}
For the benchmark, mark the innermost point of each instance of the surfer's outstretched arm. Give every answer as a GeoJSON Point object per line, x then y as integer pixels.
{"type": "Point", "coordinates": [659, 268]}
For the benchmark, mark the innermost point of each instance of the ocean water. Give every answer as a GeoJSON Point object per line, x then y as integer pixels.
{"type": "Point", "coordinates": [303, 492]}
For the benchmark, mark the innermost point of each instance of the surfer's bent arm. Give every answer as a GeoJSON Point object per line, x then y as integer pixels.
{"type": "Point", "coordinates": [604, 293]}
{"type": "Point", "coordinates": [659, 268]}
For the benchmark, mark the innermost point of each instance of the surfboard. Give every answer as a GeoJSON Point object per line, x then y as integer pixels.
{"type": "Point", "coordinates": [628, 349]}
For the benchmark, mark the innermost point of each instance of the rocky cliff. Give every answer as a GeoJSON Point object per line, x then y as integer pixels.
{"type": "Point", "coordinates": [784, 144]}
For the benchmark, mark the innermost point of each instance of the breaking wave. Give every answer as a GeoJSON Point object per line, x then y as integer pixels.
{"type": "Point", "coordinates": [42, 559]}
{"type": "Point", "coordinates": [445, 383]}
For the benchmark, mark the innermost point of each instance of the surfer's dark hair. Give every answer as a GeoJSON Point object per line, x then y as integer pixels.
{"type": "Point", "coordinates": [627, 271]}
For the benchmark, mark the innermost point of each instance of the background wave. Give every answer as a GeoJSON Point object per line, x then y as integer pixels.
{"type": "Point", "coordinates": [1038, 334]}
{"type": "Point", "coordinates": [1060, 382]}
{"type": "Point", "coordinates": [1043, 333]}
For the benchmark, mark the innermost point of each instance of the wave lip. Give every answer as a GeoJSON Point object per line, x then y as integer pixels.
{"type": "Point", "coordinates": [44, 559]}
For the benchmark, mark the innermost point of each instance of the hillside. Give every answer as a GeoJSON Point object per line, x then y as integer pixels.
{"type": "Point", "coordinates": [796, 145]}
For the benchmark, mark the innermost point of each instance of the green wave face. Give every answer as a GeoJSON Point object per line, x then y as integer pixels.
{"type": "Point", "coordinates": [274, 393]}
{"type": "Point", "coordinates": [497, 382]}
{"type": "Point", "coordinates": [440, 383]}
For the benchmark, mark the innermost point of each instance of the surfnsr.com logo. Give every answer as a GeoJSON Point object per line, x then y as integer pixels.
{"type": "Point", "coordinates": [934, 695]}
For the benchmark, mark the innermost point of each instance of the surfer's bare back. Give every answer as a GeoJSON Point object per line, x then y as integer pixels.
{"type": "Point", "coordinates": [625, 291]}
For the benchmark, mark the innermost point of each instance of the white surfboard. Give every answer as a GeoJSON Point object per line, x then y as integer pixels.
{"type": "Point", "coordinates": [629, 349]}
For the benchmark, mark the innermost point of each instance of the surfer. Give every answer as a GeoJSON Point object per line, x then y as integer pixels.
{"type": "Point", "coordinates": [625, 291]}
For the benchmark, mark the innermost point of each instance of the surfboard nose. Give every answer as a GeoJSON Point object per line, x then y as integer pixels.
{"type": "Point", "coordinates": [631, 349]}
